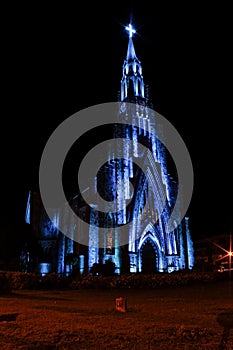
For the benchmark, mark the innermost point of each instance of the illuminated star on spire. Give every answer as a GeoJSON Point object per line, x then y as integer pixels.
{"type": "Point", "coordinates": [130, 30]}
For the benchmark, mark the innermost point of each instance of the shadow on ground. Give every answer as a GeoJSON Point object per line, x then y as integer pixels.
{"type": "Point", "coordinates": [9, 317]}
{"type": "Point", "coordinates": [225, 320]}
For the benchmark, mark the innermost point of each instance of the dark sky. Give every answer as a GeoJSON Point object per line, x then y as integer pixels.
{"type": "Point", "coordinates": [59, 60]}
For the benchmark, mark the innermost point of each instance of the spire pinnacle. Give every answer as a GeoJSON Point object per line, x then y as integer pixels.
{"type": "Point", "coordinates": [131, 30]}
{"type": "Point", "coordinates": [131, 51]}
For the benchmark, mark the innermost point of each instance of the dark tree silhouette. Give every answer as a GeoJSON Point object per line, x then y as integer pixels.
{"type": "Point", "coordinates": [106, 269]}
{"type": "Point", "coordinates": [19, 249]}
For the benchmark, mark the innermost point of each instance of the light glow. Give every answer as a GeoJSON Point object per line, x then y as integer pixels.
{"type": "Point", "coordinates": [229, 252]}
{"type": "Point", "coordinates": [130, 30]}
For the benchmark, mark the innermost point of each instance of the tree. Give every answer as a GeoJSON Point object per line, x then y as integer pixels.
{"type": "Point", "coordinates": [106, 269]}
{"type": "Point", "coordinates": [19, 249]}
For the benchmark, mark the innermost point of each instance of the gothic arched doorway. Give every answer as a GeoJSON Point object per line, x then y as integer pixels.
{"type": "Point", "coordinates": [148, 258]}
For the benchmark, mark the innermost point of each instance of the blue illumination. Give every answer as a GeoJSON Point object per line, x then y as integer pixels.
{"type": "Point", "coordinates": [81, 264]}
{"type": "Point", "coordinates": [130, 30]}
{"type": "Point", "coordinates": [45, 268]}
{"type": "Point", "coordinates": [152, 197]}
{"type": "Point", "coordinates": [133, 262]}
{"type": "Point", "coordinates": [190, 247]}
{"type": "Point", "coordinates": [28, 209]}
{"type": "Point", "coordinates": [93, 256]}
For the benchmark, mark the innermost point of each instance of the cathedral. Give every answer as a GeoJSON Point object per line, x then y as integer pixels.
{"type": "Point", "coordinates": [143, 187]}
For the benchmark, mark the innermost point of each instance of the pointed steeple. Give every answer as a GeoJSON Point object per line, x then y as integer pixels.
{"type": "Point", "coordinates": [132, 84]}
{"type": "Point", "coordinates": [131, 51]}
{"type": "Point", "coordinates": [131, 55]}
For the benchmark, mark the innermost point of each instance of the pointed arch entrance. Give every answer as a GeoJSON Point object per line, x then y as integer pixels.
{"type": "Point", "coordinates": [150, 251]}
{"type": "Point", "coordinates": [148, 258]}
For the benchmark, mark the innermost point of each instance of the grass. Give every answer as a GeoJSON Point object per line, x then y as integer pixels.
{"type": "Point", "coordinates": [190, 317]}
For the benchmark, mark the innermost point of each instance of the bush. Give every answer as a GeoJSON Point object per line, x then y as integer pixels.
{"type": "Point", "coordinates": [106, 269]}
{"type": "Point", "coordinates": [22, 280]}
{"type": "Point", "coordinates": [53, 281]}
{"type": "Point", "coordinates": [140, 281]}
{"type": "Point", "coordinates": [105, 280]}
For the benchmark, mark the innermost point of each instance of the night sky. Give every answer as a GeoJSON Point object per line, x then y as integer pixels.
{"type": "Point", "coordinates": [57, 61]}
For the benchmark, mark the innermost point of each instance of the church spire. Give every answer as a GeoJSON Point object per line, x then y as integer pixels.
{"type": "Point", "coordinates": [131, 51]}
{"type": "Point", "coordinates": [132, 84]}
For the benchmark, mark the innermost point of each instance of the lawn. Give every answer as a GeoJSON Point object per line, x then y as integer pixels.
{"type": "Point", "coordinates": [189, 317]}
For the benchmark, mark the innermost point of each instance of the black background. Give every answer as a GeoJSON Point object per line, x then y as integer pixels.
{"type": "Point", "coordinates": [57, 60]}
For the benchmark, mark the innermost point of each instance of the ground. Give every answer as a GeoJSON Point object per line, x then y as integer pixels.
{"type": "Point", "coordinates": [190, 317]}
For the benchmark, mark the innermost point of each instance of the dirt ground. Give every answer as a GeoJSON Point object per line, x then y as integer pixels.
{"type": "Point", "coordinates": [190, 317]}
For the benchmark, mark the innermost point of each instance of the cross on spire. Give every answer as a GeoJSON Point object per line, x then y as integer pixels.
{"type": "Point", "coordinates": [130, 30]}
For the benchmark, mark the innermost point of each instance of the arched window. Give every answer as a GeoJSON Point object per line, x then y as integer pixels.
{"type": "Point", "coordinates": [131, 88]}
